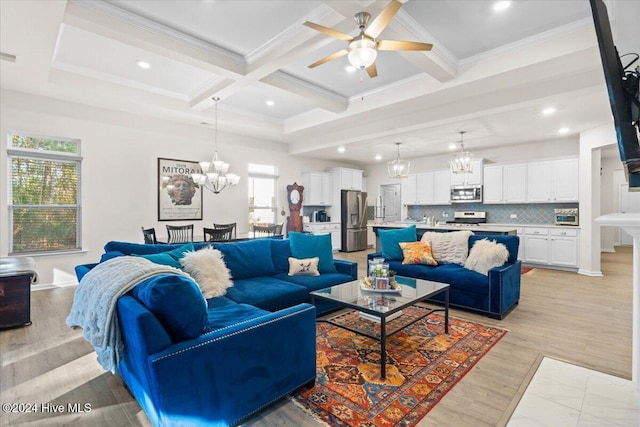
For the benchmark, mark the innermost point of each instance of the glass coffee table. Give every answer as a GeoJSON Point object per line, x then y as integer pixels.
{"type": "Point", "coordinates": [384, 306]}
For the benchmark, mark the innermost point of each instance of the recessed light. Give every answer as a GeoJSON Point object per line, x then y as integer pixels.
{"type": "Point", "coordinates": [270, 102]}
{"type": "Point", "coordinates": [500, 6]}
{"type": "Point", "coordinates": [143, 64]}
{"type": "Point", "coordinates": [564, 130]}
{"type": "Point", "coordinates": [453, 146]}
{"type": "Point", "coordinates": [341, 149]}
{"type": "Point", "coordinates": [378, 157]}
{"type": "Point", "coordinates": [350, 68]}
{"type": "Point", "coordinates": [548, 111]}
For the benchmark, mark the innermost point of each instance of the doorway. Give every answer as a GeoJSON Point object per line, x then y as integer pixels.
{"type": "Point", "coordinates": [629, 202]}
{"type": "Point", "coordinates": [391, 201]}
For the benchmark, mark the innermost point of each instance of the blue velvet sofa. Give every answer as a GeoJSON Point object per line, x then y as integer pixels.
{"type": "Point", "coordinates": [190, 361]}
{"type": "Point", "coordinates": [494, 295]}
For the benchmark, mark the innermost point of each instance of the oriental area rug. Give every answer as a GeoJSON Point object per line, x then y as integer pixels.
{"type": "Point", "coordinates": [423, 364]}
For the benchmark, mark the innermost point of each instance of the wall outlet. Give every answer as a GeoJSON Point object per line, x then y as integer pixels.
{"type": "Point", "coordinates": [513, 216]}
{"type": "Point", "coordinates": [445, 215]}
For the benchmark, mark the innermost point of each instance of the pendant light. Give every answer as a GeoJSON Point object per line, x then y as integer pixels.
{"type": "Point", "coordinates": [398, 168]}
{"type": "Point", "coordinates": [461, 161]}
{"type": "Point", "coordinates": [214, 176]}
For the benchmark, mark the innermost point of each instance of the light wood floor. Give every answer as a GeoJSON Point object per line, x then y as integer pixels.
{"type": "Point", "coordinates": [582, 320]}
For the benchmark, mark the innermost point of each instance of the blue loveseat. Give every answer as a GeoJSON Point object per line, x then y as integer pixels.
{"type": "Point", "coordinates": [494, 295]}
{"type": "Point", "coordinates": [191, 361]}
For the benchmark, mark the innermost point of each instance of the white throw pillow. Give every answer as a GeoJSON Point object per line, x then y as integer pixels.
{"type": "Point", "coordinates": [452, 247]}
{"type": "Point", "coordinates": [486, 254]}
{"type": "Point", "coordinates": [208, 269]}
{"type": "Point", "coordinates": [304, 266]}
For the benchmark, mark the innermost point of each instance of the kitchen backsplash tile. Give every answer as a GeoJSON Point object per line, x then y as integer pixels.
{"type": "Point", "coordinates": [527, 213]}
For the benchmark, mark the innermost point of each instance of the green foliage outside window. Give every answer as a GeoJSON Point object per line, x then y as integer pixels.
{"type": "Point", "coordinates": [44, 194]}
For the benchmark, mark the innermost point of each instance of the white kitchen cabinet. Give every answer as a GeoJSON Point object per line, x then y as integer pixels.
{"type": "Point", "coordinates": [536, 241]}
{"type": "Point", "coordinates": [564, 247]}
{"type": "Point", "coordinates": [565, 180]}
{"type": "Point", "coordinates": [408, 188]}
{"type": "Point", "coordinates": [317, 188]}
{"type": "Point", "coordinates": [551, 246]}
{"type": "Point", "coordinates": [514, 183]}
{"type": "Point", "coordinates": [347, 179]}
{"type": "Point", "coordinates": [473, 178]}
{"type": "Point", "coordinates": [492, 191]}
{"type": "Point", "coordinates": [441, 187]}
{"type": "Point", "coordinates": [332, 228]}
{"type": "Point", "coordinates": [553, 181]}
{"type": "Point", "coordinates": [505, 183]}
{"type": "Point", "coordinates": [424, 188]}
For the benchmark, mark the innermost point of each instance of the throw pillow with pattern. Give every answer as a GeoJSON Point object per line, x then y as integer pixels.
{"type": "Point", "coordinates": [417, 253]}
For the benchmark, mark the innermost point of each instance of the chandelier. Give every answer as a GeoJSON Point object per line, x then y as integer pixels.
{"type": "Point", "coordinates": [214, 176]}
{"type": "Point", "coordinates": [461, 161]}
{"type": "Point", "coordinates": [398, 168]}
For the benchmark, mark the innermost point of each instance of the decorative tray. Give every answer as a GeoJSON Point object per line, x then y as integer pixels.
{"type": "Point", "coordinates": [382, 291]}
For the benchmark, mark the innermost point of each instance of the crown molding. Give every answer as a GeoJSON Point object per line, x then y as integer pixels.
{"type": "Point", "coordinates": [131, 18]}
{"type": "Point", "coordinates": [289, 80]}
{"type": "Point", "coordinates": [555, 33]}
{"type": "Point", "coordinates": [415, 29]}
{"type": "Point", "coordinates": [291, 32]}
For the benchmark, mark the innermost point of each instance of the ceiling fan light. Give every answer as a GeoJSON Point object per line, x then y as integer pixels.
{"type": "Point", "coordinates": [362, 53]}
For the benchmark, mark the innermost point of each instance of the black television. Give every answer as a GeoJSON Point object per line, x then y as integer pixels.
{"type": "Point", "coordinates": [622, 85]}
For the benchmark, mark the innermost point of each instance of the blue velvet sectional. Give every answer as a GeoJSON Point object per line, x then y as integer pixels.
{"type": "Point", "coordinates": [494, 295]}
{"type": "Point", "coordinates": [190, 361]}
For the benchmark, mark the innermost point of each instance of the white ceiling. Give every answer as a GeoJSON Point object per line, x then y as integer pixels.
{"type": "Point", "coordinates": [489, 74]}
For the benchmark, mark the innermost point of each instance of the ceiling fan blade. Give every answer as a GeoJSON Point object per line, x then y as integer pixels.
{"type": "Point", "coordinates": [331, 57]}
{"type": "Point", "coordinates": [403, 45]}
{"type": "Point", "coordinates": [372, 70]}
{"type": "Point", "coordinates": [381, 21]}
{"type": "Point", "coordinates": [329, 31]}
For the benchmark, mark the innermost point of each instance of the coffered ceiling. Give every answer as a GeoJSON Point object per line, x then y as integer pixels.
{"type": "Point", "coordinates": [489, 74]}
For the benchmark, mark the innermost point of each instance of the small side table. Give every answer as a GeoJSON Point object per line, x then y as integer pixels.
{"type": "Point", "coordinates": [16, 277]}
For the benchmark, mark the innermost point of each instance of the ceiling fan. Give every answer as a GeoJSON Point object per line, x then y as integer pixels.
{"type": "Point", "coordinates": [363, 48]}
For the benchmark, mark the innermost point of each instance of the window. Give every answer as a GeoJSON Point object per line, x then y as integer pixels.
{"type": "Point", "coordinates": [44, 194]}
{"type": "Point", "coordinates": [263, 182]}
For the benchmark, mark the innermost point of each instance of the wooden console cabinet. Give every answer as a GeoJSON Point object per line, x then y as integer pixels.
{"type": "Point", "coordinates": [15, 300]}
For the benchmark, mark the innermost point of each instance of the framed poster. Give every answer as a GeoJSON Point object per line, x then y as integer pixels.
{"type": "Point", "coordinates": [179, 197]}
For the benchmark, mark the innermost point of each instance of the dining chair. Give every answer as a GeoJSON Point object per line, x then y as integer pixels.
{"type": "Point", "coordinates": [264, 230]}
{"type": "Point", "coordinates": [278, 230]}
{"type": "Point", "coordinates": [220, 234]}
{"type": "Point", "coordinates": [180, 233]}
{"type": "Point", "coordinates": [149, 235]}
{"type": "Point", "coordinates": [231, 224]}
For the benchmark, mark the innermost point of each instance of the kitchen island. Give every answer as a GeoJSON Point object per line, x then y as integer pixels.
{"type": "Point", "coordinates": [421, 228]}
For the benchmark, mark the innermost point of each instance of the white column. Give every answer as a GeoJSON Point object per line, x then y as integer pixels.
{"type": "Point", "coordinates": [630, 222]}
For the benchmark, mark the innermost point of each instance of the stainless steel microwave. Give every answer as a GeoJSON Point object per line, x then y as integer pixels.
{"type": "Point", "coordinates": [566, 216]}
{"type": "Point", "coordinates": [466, 194]}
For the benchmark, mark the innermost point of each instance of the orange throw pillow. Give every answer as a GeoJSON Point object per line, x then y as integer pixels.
{"type": "Point", "coordinates": [417, 253]}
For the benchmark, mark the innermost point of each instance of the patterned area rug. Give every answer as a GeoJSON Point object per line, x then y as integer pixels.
{"type": "Point", "coordinates": [423, 364]}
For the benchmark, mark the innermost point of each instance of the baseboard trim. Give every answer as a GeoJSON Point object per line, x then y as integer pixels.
{"type": "Point", "coordinates": [590, 273]}
{"type": "Point", "coordinates": [44, 286]}
{"type": "Point", "coordinates": [608, 250]}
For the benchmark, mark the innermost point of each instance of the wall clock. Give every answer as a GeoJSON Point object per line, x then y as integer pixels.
{"type": "Point", "coordinates": [295, 198]}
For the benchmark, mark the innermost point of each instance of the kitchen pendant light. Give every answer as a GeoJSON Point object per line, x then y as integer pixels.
{"type": "Point", "coordinates": [214, 176]}
{"type": "Point", "coordinates": [398, 168]}
{"type": "Point", "coordinates": [461, 161]}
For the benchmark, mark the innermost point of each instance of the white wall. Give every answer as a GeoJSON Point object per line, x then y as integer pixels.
{"type": "Point", "coordinates": [119, 172]}
{"type": "Point", "coordinates": [612, 177]}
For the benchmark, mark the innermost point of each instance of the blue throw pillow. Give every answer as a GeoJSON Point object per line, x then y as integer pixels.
{"type": "Point", "coordinates": [249, 258]}
{"type": "Point", "coordinates": [177, 302]}
{"type": "Point", "coordinates": [280, 252]}
{"type": "Point", "coordinates": [305, 245]}
{"type": "Point", "coordinates": [390, 241]}
{"type": "Point", "coordinates": [171, 258]}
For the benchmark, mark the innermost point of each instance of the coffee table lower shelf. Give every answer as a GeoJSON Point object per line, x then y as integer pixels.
{"type": "Point", "coordinates": [397, 324]}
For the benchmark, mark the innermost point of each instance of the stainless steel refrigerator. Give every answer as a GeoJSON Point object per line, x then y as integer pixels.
{"type": "Point", "coordinates": [354, 220]}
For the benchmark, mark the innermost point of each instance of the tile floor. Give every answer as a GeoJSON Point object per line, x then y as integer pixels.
{"type": "Point", "coordinates": [561, 394]}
